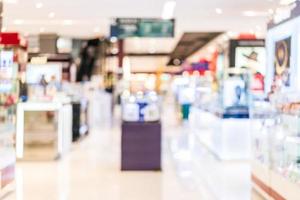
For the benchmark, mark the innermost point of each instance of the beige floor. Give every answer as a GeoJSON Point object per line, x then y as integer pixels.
{"type": "Point", "coordinates": [91, 172]}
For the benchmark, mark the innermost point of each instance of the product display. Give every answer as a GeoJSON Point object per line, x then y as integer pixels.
{"type": "Point", "coordinates": [141, 146]}
{"type": "Point", "coordinates": [140, 107]}
{"type": "Point", "coordinates": [276, 143]}
{"type": "Point", "coordinates": [275, 124]}
{"type": "Point", "coordinates": [80, 104]}
{"type": "Point", "coordinates": [12, 56]}
{"type": "Point", "coordinates": [44, 129]}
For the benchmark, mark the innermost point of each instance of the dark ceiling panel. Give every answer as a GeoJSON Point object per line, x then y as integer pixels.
{"type": "Point", "coordinates": [189, 43]}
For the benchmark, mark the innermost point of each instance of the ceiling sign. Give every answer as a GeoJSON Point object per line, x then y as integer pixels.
{"type": "Point", "coordinates": [138, 27]}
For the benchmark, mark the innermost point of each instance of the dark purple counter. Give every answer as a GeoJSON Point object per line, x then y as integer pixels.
{"type": "Point", "coordinates": [141, 146]}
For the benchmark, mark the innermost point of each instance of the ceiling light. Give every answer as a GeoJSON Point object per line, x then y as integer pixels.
{"type": "Point", "coordinates": [176, 62]}
{"type": "Point", "coordinates": [251, 31]}
{"type": "Point", "coordinates": [67, 22]}
{"type": "Point", "coordinates": [258, 28]}
{"type": "Point", "coordinates": [39, 5]}
{"type": "Point", "coordinates": [18, 21]}
{"type": "Point", "coordinates": [219, 11]}
{"type": "Point", "coordinates": [113, 39]}
{"type": "Point", "coordinates": [286, 2]}
{"type": "Point", "coordinates": [51, 15]}
{"type": "Point", "coordinates": [250, 13]}
{"type": "Point", "coordinates": [96, 30]}
{"type": "Point", "coordinates": [232, 34]}
{"type": "Point", "coordinates": [11, 1]}
{"type": "Point", "coordinates": [168, 10]}
{"type": "Point", "coordinates": [271, 11]}
{"type": "Point", "coordinates": [42, 30]}
{"type": "Point", "coordinates": [114, 51]}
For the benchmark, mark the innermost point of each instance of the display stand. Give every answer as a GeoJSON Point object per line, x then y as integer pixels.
{"type": "Point", "coordinates": [13, 60]}
{"type": "Point", "coordinates": [80, 126]}
{"type": "Point", "coordinates": [45, 139]}
{"type": "Point", "coordinates": [275, 170]}
{"type": "Point", "coordinates": [141, 146]}
{"type": "Point", "coordinates": [227, 138]}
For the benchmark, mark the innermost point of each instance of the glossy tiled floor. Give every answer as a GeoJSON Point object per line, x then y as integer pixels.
{"type": "Point", "coordinates": [91, 172]}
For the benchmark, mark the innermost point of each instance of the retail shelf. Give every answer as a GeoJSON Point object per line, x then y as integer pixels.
{"type": "Point", "coordinates": [7, 157]}
{"type": "Point", "coordinates": [264, 177]}
{"type": "Point", "coordinates": [6, 131]}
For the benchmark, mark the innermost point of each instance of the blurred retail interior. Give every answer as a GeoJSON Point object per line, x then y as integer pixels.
{"type": "Point", "coordinates": [149, 100]}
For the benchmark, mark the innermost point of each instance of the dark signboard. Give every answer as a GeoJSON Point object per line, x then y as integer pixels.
{"type": "Point", "coordinates": [137, 27]}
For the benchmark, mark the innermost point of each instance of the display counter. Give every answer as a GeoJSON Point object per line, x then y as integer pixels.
{"type": "Point", "coordinates": [227, 136]}
{"type": "Point", "coordinates": [141, 146]}
{"type": "Point", "coordinates": [44, 130]}
{"type": "Point", "coordinates": [7, 156]}
{"type": "Point", "coordinates": [275, 165]}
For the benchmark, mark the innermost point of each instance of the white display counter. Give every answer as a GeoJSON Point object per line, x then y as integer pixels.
{"type": "Point", "coordinates": [7, 156]}
{"type": "Point", "coordinates": [227, 139]}
{"type": "Point", "coordinates": [43, 139]}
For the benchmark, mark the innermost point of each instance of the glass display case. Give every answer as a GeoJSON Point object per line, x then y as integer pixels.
{"type": "Point", "coordinates": [276, 145]}
{"type": "Point", "coordinates": [8, 99]}
{"type": "Point", "coordinates": [141, 107]}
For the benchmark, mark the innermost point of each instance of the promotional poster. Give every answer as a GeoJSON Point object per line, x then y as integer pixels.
{"type": "Point", "coordinates": [282, 62]}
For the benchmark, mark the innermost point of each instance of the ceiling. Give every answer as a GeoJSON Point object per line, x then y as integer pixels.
{"type": "Point", "coordinates": [189, 44]}
{"type": "Point", "coordinates": [90, 18]}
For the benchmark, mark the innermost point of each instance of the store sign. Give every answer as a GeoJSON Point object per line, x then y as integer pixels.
{"type": "Point", "coordinates": [137, 27]}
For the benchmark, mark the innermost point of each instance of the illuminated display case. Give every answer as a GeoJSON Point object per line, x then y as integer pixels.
{"type": "Point", "coordinates": [8, 98]}
{"type": "Point", "coordinates": [276, 141]}
{"type": "Point", "coordinates": [13, 58]}
{"type": "Point", "coordinates": [276, 147]}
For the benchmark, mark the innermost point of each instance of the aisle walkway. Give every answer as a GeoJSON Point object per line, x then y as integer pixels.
{"type": "Point", "coordinates": [91, 172]}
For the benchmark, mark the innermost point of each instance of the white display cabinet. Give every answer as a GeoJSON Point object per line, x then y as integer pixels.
{"type": "Point", "coordinates": [276, 155]}
{"type": "Point", "coordinates": [44, 130]}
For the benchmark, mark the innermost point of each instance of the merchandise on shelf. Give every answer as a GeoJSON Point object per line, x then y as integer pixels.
{"type": "Point", "coordinates": [43, 81]}
{"type": "Point", "coordinates": [276, 144]}
{"type": "Point", "coordinates": [80, 103]}
{"type": "Point", "coordinates": [140, 107]}
{"type": "Point", "coordinates": [13, 59]}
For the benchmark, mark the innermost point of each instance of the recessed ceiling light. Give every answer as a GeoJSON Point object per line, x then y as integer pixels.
{"type": "Point", "coordinates": [18, 21]}
{"type": "Point", "coordinates": [232, 34]}
{"type": "Point", "coordinates": [42, 30]}
{"type": "Point", "coordinates": [113, 39]}
{"type": "Point", "coordinates": [168, 10]}
{"type": "Point", "coordinates": [251, 13]}
{"type": "Point", "coordinates": [286, 2]}
{"type": "Point", "coordinates": [96, 30]}
{"type": "Point", "coordinates": [11, 1]}
{"type": "Point", "coordinates": [51, 15]}
{"type": "Point", "coordinates": [67, 22]}
{"type": "Point", "coordinates": [176, 61]}
{"type": "Point", "coordinates": [219, 11]}
{"type": "Point", "coordinates": [271, 11]}
{"type": "Point", "coordinates": [39, 5]}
